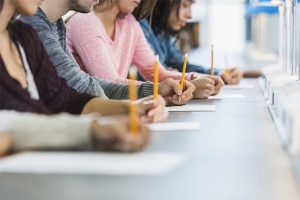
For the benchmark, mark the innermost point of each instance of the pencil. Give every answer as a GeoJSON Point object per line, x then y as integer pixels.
{"type": "Point", "coordinates": [183, 74]}
{"type": "Point", "coordinates": [226, 61]}
{"type": "Point", "coordinates": [155, 81]}
{"type": "Point", "coordinates": [212, 61]}
{"type": "Point", "coordinates": [133, 115]}
{"type": "Point", "coordinates": [227, 69]}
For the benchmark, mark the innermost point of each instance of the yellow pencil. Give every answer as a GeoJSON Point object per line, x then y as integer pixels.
{"type": "Point", "coordinates": [227, 69]}
{"type": "Point", "coordinates": [212, 61]}
{"type": "Point", "coordinates": [133, 96]}
{"type": "Point", "coordinates": [183, 74]}
{"type": "Point", "coordinates": [155, 81]}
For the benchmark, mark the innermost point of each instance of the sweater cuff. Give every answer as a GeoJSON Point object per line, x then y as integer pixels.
{"type": "Point", "coordinates": [146, 89]}
{"type": "Point", "coordinates": [63, 132]}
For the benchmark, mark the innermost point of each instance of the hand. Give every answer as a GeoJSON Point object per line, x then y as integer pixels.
{"type": "Point", "coordinates": [218, 84]}
{"type": "Point", "coordinates": [151, 110]}
{"type": "Point", "coordinates": [252, 74]}
{"type": "Point", "coordinates": [5, 144]}
{"type": "Point", "coordinates": [232, 76]}
{"type": "Point", "coordinates": [170, 90]}
{"type": "Point", "coordinates": [113, 134]}
{"type": "Point", "coordinates": [205, 86]}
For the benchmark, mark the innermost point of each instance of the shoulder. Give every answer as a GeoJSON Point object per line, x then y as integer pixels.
{"type": "Point", "coordinates": [80, 20]}
{"type": "Point", "coordinates": [39, 21]}
{"type": "Point", "coordinates": [23, 32]}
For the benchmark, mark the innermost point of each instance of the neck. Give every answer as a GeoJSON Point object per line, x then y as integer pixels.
{"type": "Point", "coordinates": [55, 9]}
{"type": "Point", "coordinates": [8, 11]}
{"type": "Point", "coordinates": [109, 16]}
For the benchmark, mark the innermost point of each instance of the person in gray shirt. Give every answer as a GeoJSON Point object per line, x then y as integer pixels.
{"type": "Point", "coordinates": [51, 29]}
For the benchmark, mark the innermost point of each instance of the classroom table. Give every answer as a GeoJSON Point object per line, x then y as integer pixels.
{"type": "Point", "coordinates": [236, 155]}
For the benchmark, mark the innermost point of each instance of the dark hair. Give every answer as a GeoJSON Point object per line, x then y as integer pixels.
{"type": "Point", "coordinates": [145, 9]}
{"type": "Point", "coordinates": [161, 15]}
{"type": "Point", "coordinates": [1, 4]}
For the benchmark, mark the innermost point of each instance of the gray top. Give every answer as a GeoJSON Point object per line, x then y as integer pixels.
{"type": "Point", "coordinates": [53, 36]}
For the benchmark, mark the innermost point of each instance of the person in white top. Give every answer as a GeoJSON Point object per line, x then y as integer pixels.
{"type": "Point", "coordinates": [27, 131]}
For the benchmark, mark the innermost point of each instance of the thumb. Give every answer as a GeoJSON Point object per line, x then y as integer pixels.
{"type": "Point", "coordinates": [175, 86]}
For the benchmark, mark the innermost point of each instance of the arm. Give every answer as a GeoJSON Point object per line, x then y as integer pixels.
{"type": "Point", "coordinates": [27, 131]}
{"type": "Point", "coordinates": [68, 69]}
{"type": "Point", "coordinates": [32, 131]}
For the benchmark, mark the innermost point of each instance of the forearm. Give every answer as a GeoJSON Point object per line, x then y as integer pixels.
{"type": "Point", "coordinates": [32, 131]}
{"type": "Point", "coordinates": [106, 107]}
{"type": "Point", "coordinates": [120, 91]}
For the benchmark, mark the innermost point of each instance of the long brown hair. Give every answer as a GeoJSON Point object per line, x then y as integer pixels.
{"type": "Point", "coordinates": [145, 9]}
{"type": "Point", "coordinates": [161, 15]}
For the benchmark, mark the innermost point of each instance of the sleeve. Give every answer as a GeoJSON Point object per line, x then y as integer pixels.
{"type": "Point", "coordinates": [70, 71]}
{"type": "Point", "coordinates": [91, 48]}
{"type": "Point", "coordinates": [32, 131]}
{"type": "Point", "coordinates": [144, 59]}
{"type": "Point", "coordinates": [174, 59]}
{"type": "Point", "coordinates": [54, 91]}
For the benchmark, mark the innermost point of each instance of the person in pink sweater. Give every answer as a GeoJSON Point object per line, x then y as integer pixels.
{"type": "Point", "coordinates": [107, 41]}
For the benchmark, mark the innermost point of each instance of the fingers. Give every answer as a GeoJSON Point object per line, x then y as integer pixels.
{"type": "Point", "coordinates": [133, 143]}
{"type": "Point", "coordinates": [189, 89]}
{"type": "Point", "coordinates": [157, 113]}
{"type": "Point", "coordinates": [175, 86]}
{"type": "Point", "coordinates": [117, 137]}
{"type": "Point", "coordinates": [5, 144]}
{"type": "Point", "coordinates": [232, 76]}
{"type": "Point", "coordinates": [186, 96]}
{"type": "Point", "coordinates": [145, 105]}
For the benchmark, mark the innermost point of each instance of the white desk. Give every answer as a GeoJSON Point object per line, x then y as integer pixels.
{"type": "Point", "coordinates": [237, 155]}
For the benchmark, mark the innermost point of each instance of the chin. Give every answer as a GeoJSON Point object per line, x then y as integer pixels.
{"type": "Point", "coordinates": [29, 12]}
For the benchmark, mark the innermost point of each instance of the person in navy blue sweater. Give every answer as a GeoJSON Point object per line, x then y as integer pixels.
{"type": "Point", "coordinates": [167, 19]}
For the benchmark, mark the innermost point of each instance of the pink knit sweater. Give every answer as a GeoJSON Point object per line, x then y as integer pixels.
{"type": "Point", "coordinates": [108, 59]}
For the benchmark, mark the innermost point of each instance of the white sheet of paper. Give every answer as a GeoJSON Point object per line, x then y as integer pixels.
{"type": "Point", "coordinates": [92, 163]}
{"type": "Point", "coordinates": [228, 96]}
{"type": "Point", "coordinates": [192, 108]}
{"type": "Point", "coordinates": [175, 126]}
{"type": "Point", "coordinates": [240, 86]}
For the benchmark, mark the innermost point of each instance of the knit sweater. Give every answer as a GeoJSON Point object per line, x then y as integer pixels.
{"type": "Point", "coordinates": [53, 36]}
{"type": "Point", "coordinates": [110, 59]}
{"type": "Point", "coordinates": [55, 96]}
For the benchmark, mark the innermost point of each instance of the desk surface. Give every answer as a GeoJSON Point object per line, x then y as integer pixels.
{"type": "Point", "coordinates": [236, 155]}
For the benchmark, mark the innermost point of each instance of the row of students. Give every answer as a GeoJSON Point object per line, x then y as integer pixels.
{"type": "Point", "coordinates": [161, 28]}
{"type": "Point", "coordinates": [50, 82]}
{"type": "Point", "coordinates": [30, 83]}
{"type": "Point", "coordinates": [40, 75]}
{"type": "Point", "coordinates": [112, 40]}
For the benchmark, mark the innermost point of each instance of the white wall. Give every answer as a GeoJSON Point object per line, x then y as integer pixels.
{"type": "Point", "coordinates": [223, 24]}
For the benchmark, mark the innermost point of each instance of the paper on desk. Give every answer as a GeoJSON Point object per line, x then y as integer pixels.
{"type": "Point", "coordinates": [228, 96]}
{"type": "Point", "coordinates": [192, 108]}
{"type": "Point", "coordinates": [92, 163]}
{"type": "Point", "coordinates": [240, 86]}
{"type": "Point", "coordinates": [175, 126]}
